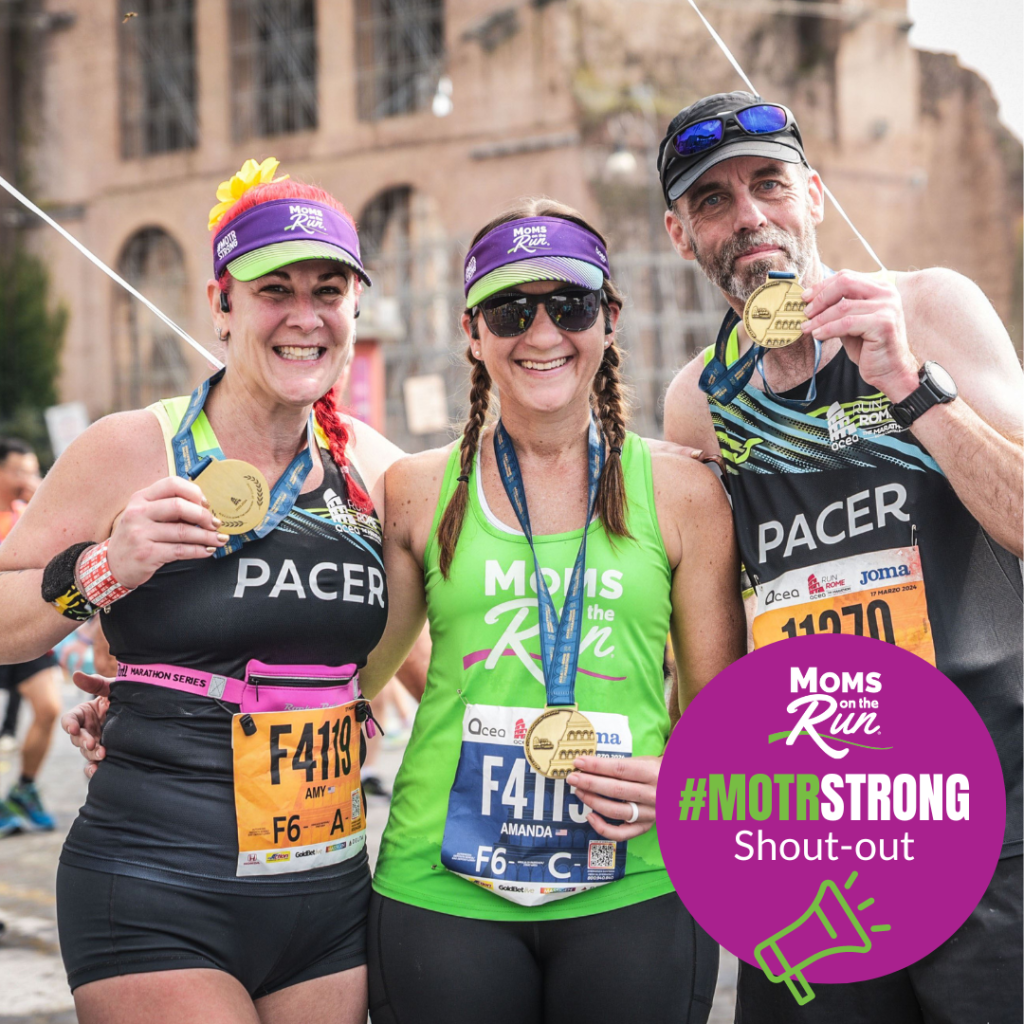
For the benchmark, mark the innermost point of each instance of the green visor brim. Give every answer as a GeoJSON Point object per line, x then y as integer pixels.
{"type": "Point", "coordinates": [540, 268]}
{"type": "Point", "coordinates": [262, 261]}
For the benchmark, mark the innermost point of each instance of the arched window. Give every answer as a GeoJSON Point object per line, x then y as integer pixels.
{"type": "Point", "coordinates": [148, 360]}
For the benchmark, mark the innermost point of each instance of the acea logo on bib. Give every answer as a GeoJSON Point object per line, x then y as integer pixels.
{"type": "Point", "coordinates": [830, 809]}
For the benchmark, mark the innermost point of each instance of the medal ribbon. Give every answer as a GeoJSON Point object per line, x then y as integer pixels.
{"type": "Point", "coordinates": [723, 383]}
{"type": "Point", "coordinates": [188, 464]}
{"type": "Point", "coordinates": [559, 638]}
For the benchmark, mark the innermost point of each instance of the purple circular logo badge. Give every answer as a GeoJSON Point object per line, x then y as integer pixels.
{"type": "Point", "coordinates": [830, 809]}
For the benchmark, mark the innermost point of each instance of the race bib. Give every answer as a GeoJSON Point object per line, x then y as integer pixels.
{"type": "Point", "coordinates": [298, 802]}
{"type": "Point", "coordinates": [880, 594]}
{"type": "Point", "coordinates": [516, 833]}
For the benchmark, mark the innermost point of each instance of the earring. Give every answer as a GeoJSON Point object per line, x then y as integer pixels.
{"type": "Point", "coordinates": [221, 336]}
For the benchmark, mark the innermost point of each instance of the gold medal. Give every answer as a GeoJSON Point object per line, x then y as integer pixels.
{"type": "Point", "coordinates": [557, 738]}
{"type": "Point", "coordinates": [237, 492]}
{"type": "Point", "coordinates": [774, 314]}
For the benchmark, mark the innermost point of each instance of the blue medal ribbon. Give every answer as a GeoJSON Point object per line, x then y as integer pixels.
{"type": "Point", "coordinates": [188, 464]}
{"type": "Point", "coordinates": [723, 383]}
{"type": "Point", "coordinates": [559, 638]}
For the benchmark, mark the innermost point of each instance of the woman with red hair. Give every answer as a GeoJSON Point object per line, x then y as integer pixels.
{"type": "Point", "coordinates": [218, 867]}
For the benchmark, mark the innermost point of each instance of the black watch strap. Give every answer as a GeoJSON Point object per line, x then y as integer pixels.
{"type": "Point", "coordinates": [914, 405]}
{"type": "Point", "coordinates": [920, 400]}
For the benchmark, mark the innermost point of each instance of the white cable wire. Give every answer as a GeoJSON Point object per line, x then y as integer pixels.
{"type": "Point", "coordinates": [750, 85]}
{"type": "Point", "coordinates": [25, 201]}
{"type": "Point", "coordinates": [725, 49]}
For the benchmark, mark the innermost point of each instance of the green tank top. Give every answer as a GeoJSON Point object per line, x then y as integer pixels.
{"type": "Point", "coordinates": [486, 655]}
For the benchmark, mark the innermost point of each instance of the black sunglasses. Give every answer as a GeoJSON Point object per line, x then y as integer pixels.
{"type": "Point", "coordinates": [512, 313]}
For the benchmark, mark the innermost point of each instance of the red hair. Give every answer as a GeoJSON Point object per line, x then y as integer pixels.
{"type": "Point", "coordinates": [328, 415]}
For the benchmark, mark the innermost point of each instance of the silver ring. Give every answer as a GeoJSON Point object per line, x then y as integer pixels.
{"type": "Point", "coordinates": [636, 813]}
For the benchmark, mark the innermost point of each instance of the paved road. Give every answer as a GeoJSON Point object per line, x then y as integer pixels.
{"type": "Point", "coordinates": [33, 989]}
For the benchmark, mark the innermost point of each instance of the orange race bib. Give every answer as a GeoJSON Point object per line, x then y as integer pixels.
{"type": "Point", "coordinates": [879, 594]}
{"type": "Point", "coordinates": [298, 801]}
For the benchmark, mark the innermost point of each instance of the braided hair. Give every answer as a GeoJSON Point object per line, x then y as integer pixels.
{"type": "Point", "coordinates": [608, 400]}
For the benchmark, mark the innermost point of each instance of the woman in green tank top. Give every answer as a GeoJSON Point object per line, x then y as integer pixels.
{"type": "Point", "coordinates": [499, 890]}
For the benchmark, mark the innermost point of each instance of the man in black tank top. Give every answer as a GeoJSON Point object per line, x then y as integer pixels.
{"type": "Point", "coordinates": [885, 443]}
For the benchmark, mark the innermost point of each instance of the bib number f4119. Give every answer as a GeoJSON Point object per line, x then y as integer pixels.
{"type": "Point", "coordinates": [298, 802]}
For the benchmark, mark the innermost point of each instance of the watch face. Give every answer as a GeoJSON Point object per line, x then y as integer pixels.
{"type": "Point", "coordinates": [941, 379]}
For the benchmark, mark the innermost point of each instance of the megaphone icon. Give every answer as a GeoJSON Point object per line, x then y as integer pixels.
{"type": "Point", "coordinates": [828, 926]}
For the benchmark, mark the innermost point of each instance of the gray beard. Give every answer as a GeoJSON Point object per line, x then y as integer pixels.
{"type": "Point", "coordinates": [799, 254]}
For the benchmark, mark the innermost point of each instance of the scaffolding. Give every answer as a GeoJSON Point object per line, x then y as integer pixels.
{"type": "Point", "coordinates": [273, 67]}
{"type": "Point", "coordinates": [157, 77]}
{"type": "Point", "coordinates": [399, 55]}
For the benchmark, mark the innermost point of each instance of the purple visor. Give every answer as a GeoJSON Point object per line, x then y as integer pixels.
{"type": "Point", "coordinates": [534, 249]}
{"type": "Point", "coordinates": [272, 235]}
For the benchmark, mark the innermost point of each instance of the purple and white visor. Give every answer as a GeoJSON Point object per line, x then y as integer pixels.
{"type": "Point", "coordinates": [534, 249]}
{"type": "Point", "coordinates": [272, 235]}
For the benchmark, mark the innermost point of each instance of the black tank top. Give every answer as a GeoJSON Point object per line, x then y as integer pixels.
{"type": "Point", "coordinates": [845, 483]}
{"type": "Point", "coordinates": [311, 592]}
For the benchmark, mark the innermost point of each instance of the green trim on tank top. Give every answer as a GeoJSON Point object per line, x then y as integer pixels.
{"type": "Point", "coordinates": [202, 430]}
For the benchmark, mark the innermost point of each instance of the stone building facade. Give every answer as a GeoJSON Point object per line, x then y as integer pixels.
{"type": "Point", "coordinates": [145, 106]}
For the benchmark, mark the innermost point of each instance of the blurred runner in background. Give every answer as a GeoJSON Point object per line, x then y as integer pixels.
{"type": "Point", "coordinates": [38, 681]}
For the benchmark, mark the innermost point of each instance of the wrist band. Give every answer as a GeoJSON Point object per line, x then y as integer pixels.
{"type": "Point", "coordinates": [59, 587]}
{"type": "Point", "coordinates": [96, 581]}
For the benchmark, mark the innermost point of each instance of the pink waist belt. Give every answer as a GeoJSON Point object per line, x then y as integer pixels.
{"type": "Point", "coordinates": [264, 688]}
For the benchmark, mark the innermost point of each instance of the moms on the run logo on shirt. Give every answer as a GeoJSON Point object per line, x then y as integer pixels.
{"type": "Point", "coordinates": [515, 587]}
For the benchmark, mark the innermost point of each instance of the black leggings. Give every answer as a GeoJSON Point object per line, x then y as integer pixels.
{"type": "Point", "coordinates": [650, 962]}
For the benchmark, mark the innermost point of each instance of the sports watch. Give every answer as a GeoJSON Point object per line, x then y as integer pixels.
{"type": "Point", "coordinates": [937, 388]}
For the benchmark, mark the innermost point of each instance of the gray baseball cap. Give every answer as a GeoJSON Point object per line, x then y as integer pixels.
{"type": "Point", "coordinates": [678, 170]}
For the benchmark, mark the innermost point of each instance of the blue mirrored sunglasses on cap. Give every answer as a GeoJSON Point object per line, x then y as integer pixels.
{"type": "Point", "coordinates": [759, 119]}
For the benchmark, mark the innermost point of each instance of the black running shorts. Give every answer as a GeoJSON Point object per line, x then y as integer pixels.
{"type": "Point", "coordinates": [649, 963]}
{"type": "Point", "coordinates": [114, 924]}
{"type": "Point", "coordinates": [12, 676]}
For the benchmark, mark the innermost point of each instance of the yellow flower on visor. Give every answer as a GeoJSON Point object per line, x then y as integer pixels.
{"type": "Point", "coordinates": [250, 175]}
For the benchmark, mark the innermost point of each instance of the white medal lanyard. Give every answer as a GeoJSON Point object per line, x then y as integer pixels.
{"type": "Point", "coordinates": [750, 85]}
{"type": "Point", "coordinates": [28, 204]}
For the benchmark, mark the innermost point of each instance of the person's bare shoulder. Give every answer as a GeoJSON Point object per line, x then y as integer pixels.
{"type": "Point", "coordinates": [687, 419]}
{"type": "Point", "coordinates": [950, 319]}
{"type": "Point", "coordinates": [413, 488]}
{"type": "Point", "coordinates": [688, 495]}
{"type": "Point", "coordinates": [88, 486]}
{"type": "Point", "coordinates": [371, 447]}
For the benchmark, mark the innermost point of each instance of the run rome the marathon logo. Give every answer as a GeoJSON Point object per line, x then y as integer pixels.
{"type": "Point", "coordinates": [841, 430]}
{"type": "Point", "coordinates": [227, 244]}
{"type": "Point", "coordinates": [309, 219]}
{"type": "Point", "coordinates": [529, 238]}
{"type": "Point", "coordinates": [470, 269]}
